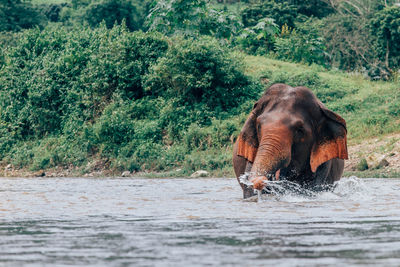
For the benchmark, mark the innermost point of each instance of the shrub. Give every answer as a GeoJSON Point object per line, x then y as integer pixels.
{"type": "Point", "coordinates": [200, 72]}
{"type": "Point", "coordinates": [192, 18]}
{"type": "Point", "coordinates": [115, 125]}
{"type": "Point", "coordinates": [17, 14]}
{"type": "Point", "coordinates": [259, 39]}
{"type": "Point", "coordinates": [362, 165]}
{"type": "Point", "coordinates": [212, 159]}
{"type": "Point", "coordinates": [282, 12]}
{"type": "Point", "coordinates": [150, 156]}
{"type": "Point", "coordinates": [348, 42]}
{"type": "Point", "coordinates": [60, 78]}
{"type": "Point", "coordinates": [136, 101]}
{"type": "Point", "coordinates": [197, 138]}
{"type": "Point", "coordinates": [303, 44]}
{"type": "Point", "coordinates": [385, 26]}
{"type": "Point", "coordinates": [113, 11]}
{"type": "Point", "coordinates": [47, 152]}
{"type": "Point", "coordinates": [316, 8]}
{"type": "Point", "coordinates": [52, 11]}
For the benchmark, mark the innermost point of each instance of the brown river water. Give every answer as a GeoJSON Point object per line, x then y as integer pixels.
{"type": "Point", "coordinates": [196, 222]}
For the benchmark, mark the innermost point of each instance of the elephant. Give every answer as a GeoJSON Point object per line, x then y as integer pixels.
{"type": "Point", "coordinates": [290, 135]}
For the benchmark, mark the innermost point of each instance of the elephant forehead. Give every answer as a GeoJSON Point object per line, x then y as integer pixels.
{"type": "Point", "coordinates": [281, 118]}
{"type": "Point", "coordinates": [291, 96]}
{"type": "Point", "coordinates": [278, 89]}
{"type": "Point", "coordinates": [294, 101]}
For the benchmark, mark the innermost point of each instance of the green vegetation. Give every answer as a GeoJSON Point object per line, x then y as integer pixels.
{"type": "Point", "coordinates": [362, 165]}
{"type": "Point", "coordinates": [373, 173]}
{"type": "Point", "coordinates": [370, 108]}
{"type": "Point", "coordinates": [351, 35]}
{"type": "Point", "coordinates": [140, 101]}
{"type": "Point", "coordinates": [17, 14]}
{"type": "Point", "coordinates": [165, 86]}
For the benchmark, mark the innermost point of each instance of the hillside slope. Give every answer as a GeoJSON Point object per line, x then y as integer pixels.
{"type": "Point", "coordinates": [371, 109]}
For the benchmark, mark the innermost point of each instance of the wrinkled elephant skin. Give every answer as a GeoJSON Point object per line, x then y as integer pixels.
{"type": "Point", "coordinates": [290, 135]}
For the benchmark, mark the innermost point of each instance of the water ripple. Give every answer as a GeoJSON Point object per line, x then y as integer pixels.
{"type": "Point", "coordinates": [164, 222]}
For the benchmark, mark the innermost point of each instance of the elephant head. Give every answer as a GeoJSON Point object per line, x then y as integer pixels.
{"type": "Point", "coordinates": [289, 134]}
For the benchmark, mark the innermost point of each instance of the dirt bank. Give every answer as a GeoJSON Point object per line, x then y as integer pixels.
{"type": "Point", "coordinates": [381, 154]}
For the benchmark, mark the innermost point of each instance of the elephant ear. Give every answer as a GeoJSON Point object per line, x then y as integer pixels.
{"type": "Point", "coordinates": [331, 139]}
{"type": "Point", "coordinates": [248, 141]}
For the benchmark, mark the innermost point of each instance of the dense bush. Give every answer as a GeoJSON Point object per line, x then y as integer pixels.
{"type": "Point", "coordinates": [92, 12]}
{"type": "Point", "coordinates": [192, 18]}
{"type": "Point", "coordinates": [303, 44]}
{"type": "Point", "coordinates": [113, 11]}
{"type": "Point", "coordinates": [385, 27]}
{"type": "Point", "coordinates": [200, 72]}
{"type": "Point", "coordinates": [316, 8]}
{"type": "Point", "coordinates": [283, 12]}
{"type": "Point", "coordinates": [52, 11]}
{"type": "Point", "coordinates": [106, 97]}
{"type": "Point", "coordinates": [348, 42]}
{"type": "Point", "coordinates": [201, 81]}
{"type": "Point", "coordinates": [17, 14]}
{"type": "Point", "coordinates": [260, 38]}
{"type": "Point", "coordinates": [128, 99]}
{"type": "Point", "coordinates": [56, 76]}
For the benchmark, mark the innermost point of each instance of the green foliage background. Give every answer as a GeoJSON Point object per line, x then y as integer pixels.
{"type": "Point", "coordinates": [132, 99]}
{"type": "Point", "coordinates": [166, 85]}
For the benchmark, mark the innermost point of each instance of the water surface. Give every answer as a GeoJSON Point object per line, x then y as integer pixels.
{"type": "Point", "coordinates": [195, 222]}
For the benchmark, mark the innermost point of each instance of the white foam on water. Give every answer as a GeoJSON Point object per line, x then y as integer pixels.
{"type": "Point", "coordinates": [259, 192]}
{"type": "Point", "coordinates": [352, 188]}
{"type": "Point", "coordinates": [244, 179]}
{"type": "Point", "coordinates": [348, 188]}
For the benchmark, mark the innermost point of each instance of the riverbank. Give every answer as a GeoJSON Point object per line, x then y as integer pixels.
{"type": "Point", "coordinates": [375, 157]}
{"type": "Point", "coordinates": [381, 154]}
{"type": "Point", "coordinates": [73, 121]}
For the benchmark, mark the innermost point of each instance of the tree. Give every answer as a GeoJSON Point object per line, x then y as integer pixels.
{"type": "Point", "coordinates": [316, 8]}
{"type": "Point", "coordinates": [348, 41]}
{"type": "Point", "coordinates": [16, 15]}
{"type": "Point", "coordinates": [259, 39]}
{"type": "Point", "coordinates": [191, 18]}
{"type": "Point", "coordinates": [385, 26]}
{"type": "Point", "coordinates": [359, 8]}
{"type": "Point", "coordinates": [113, 11]}
{"type": "Point", "coordinates": [282, 12]}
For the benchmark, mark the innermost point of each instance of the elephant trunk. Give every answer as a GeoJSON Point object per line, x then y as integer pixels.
{"type": "Point", "coordinates": [273, 154]}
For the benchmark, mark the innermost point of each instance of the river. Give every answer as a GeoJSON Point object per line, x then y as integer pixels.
{"type": "Point", "coordinates": [195, 222]}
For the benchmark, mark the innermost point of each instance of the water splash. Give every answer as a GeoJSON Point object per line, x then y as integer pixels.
{"type": "Point", "coordinates": [244, 179]}
{"type": "Point", "coordinates": [288, 191]}
{"type": "Point", "coordinates": [259, 194]}
{"type": "Point", "coordinates": [277, 189]}
{"type": "Point", "coordinates": [350, 188]}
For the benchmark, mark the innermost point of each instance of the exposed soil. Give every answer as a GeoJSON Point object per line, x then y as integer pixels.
{"type": "Point", "coordinates": [378, 152]}
{"type": "Point", "coordinates": [375, 150]}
